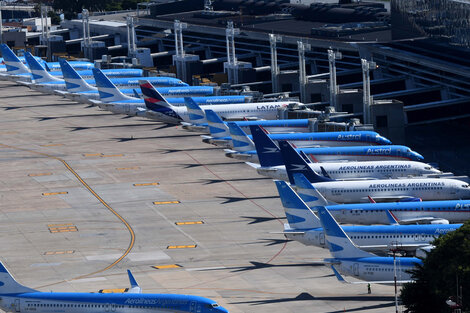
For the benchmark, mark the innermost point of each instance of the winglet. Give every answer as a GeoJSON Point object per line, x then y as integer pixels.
{"type": "Point", "coordinates": [391, 218]}
{"type": "Point", "coordinates": [268, 153]}
{"type": "Point", "coordinates": [135, 288]}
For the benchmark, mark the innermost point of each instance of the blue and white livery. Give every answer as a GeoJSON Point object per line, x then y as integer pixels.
{"type": "Point", "coordinates": [304, 226]}
{"type": "Point", "coordinates": [20, 299]}
{"type": "Point", "coordinates": [349, 260]}
{"type": "Point", "coordinates": [425, 212]}
{"type": "Point", "coordinates": [272, 165]}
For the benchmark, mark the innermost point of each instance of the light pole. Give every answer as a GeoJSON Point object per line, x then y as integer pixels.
{"type": "Point", "coordinates": [332, 57]}
{"type": "Point", "coordinates": [367, 66]}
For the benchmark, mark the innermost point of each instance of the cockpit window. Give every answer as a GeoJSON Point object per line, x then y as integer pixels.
{"type": "Point", "coordinates": [465, 186]}
{"type": "Point", "coordinates": [212, 305]}
{"type": "Point", "coordinates": [427, 167]}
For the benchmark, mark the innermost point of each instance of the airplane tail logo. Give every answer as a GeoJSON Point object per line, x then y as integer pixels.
{"type": "Point", "coordinates": [299, 215]}
{"type": "Point", "coordinates": [268, 153]}
{"type": "Point", "coordinates": [195, 113]}
{"type": "Point", "coordinates": [339, 244]}
{"type": "Point", "coordinates": [8, 285]}
{"type": "Point", "coordinates": [107, 90]}
{"type": "Point", "coordinates": [217, 127]}
{"type": "Point", "coordinates": [73, 81]}
{"type": "Point", "coordinates": [154, 100]}
{"type": "Point", "coordinates": [40, 75]}
{"type": "Point", "coordinates": [295, 163]}
{"type": "Point", "coordinates": [12, 62]}
{"type": "Point", "coordinates": [241, 141]}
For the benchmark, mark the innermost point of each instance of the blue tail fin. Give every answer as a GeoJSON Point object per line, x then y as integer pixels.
{"type": "Point", "coordinates": [299, 215]}
{"type": "Point", "coordinates": [12, 62]}
{"type": "Point", "coordinates": [73, 81]}
{"type": "Point", "coordinates": [217, 127]}
{"type": "Point", "coordinates": [135, 288]}
{"type": "Point", "coordinates": [108, 91]}
{"type": "Point", "coordinates": [296, 164]}
{"type": "Point", "coordinates": [40, 75]}
{"type": "Point", "coordinates": [307, 192]}
{"type": "Point", "coordinates": [195, 113]}
{"type": "Point", "coordinates": [241, 141]}
{"type": "Point", "coordinates": [8, 285]}
{"type": "Point", "coordinates": [268, 153]}
{"type": "Point", "coordinates": [337, 241]}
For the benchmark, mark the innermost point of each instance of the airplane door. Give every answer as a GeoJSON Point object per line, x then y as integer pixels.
{"type": "Point", "coordinates": [322, 238]}
{"type": "Point", "coordinates": [113, 307]}
{"type": "Point", "coordinates": [356, 269]}
{"type": "Point", "coordinates": [127, 108]}
{"type": "Point", "coordinates": [199, 309]}
{"type": "Point", "coordinates": [192, 306]}
{"type": "Point", "coordinates": [106, 307]}
{"type": "Point", "coordinates": [17, 305]}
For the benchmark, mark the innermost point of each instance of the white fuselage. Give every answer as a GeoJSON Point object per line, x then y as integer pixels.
{"type": "Point", "coordinates": [359, 170]}
{"type": "Point", "coordinates": [369, 270]}
{"type": "Point", "coordinates": [393, 190]}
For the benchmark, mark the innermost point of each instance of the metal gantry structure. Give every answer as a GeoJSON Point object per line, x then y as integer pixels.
{"type": "Point", "coordinates": [231, 65]}
{"type": "Point", "coordinates": [275, 70]}
{"type": "Point", "coordinates": [332, 57]}
{"type": "Point", "coordinates": [302, 47]}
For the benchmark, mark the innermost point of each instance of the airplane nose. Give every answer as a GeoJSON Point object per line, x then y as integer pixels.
{"type": "Point", "coordinates": [384, 141]}
{"type": "Point", "coordinates": [418, 156]}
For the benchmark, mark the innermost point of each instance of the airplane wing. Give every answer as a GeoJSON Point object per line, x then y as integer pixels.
{"type": "Point", "coordinates": [255, 165]}
{"type": "Point", "coordinates": [344, 281]}
{"type": "Point", "coordinates": [390, 199]}
{"type": "Point", "coordinates": [404, 247]}
{"type": "Point", "coordinates": [424, 220]}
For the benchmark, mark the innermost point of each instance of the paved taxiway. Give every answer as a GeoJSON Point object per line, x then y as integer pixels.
{"type": "Point", "coordinates": [70, 173]}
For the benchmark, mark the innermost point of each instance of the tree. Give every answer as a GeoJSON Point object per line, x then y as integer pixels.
{"type": "Point", "coordinates": [436, 280]}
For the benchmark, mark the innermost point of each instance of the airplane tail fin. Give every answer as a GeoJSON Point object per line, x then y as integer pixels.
{"type": "Point", "coordinates": [107, 90]}
{"type": "Point", "coordinates": [40, 75]}
{"type": "Point", "coordinates": [195, 113]}
{"type": "Point", "coordinates": [308, 193]}
{"type": "Point", "coordinates": [217, 127]}
{"type": "Point", "coordinates": [73, 81]}
{"type": "Point", "coordinates": [135, 288]}
{"type": "Point", "coordinates": [8, 285]}
{"type": "Point", "coordinates": [298, 214]}
{"type": "Point", "coordinates": [153, 99]}
{"type": "Point", "coordinates": [295, 163]}
{"type": "Point", "coordinates": [12, 62]}
{"type": "Point", "coordinates": [268, 153]}
{"type": "Point", "coordinates": [241, 141]}
{"type": "Point", "coordinates": [338, 242]}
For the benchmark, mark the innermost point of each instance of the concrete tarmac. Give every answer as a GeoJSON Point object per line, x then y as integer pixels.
{"type": "Point", "coordinates": [87, 194]}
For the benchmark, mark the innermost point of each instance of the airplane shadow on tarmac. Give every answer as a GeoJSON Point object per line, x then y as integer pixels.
{"type": "Point", "coordinates": [305, 296]}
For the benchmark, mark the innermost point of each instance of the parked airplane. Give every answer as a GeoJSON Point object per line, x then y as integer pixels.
{"type": "Point", "coordinates": [43, 80]}
{"type": "Point", "coordinates": [269, 156]}
{"type": "Point", "coordinates": [382, 190]}
{"type": "Point", "coordinates": [18, 298]}
{"type": "Point", "coordinates": [304, 226]}
{"type": "Point", "coordinates": [17, 71]}
{"type": "Point", "coordinates": [174, 115]}
{"type": "Point", "coordinates": [115, 101]}
{"type": "Point", "coordinates": [217, 128]}
{"type": "Point", "coordinates": [79, 90]}
{"type": "Point", "coordinates": [349, 260]}
{"type": "Point", "coordinates": [342, 154]}
{"type": "Point", "coordinates": [240, 141]}
{"type": "Point", "coordinates": [425, 212]}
